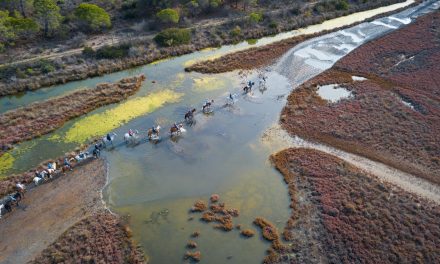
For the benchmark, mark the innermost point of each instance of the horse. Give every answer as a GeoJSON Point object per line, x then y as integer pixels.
{"type": "Point", "coordinates": [206, 108]}
{"type": "Point", "coordinates": [81, 156]}
{"type": "Point", "coordinates": [108, 139]}
{"type": "Point", "coordinates": [190, 115]}
{"type": "Point", "coordinates": [1, 208]}
{"type": "Point", "coordinates": [131, 138]}
{"type": "Point", "coordinates": [177, 131]}
{"type": "Point", "coordinates": [153, 135]}
{"type": "Point", "coordinates": [20, 188]}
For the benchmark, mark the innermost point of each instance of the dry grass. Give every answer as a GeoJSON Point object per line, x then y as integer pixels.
{"type": "Point", "coordinates": [360, 219]}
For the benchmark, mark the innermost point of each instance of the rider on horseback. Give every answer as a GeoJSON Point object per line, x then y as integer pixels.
{"type": "Point", "coordinates": [130, 132]}
{"type": "Point", "coordinates": [109, 137]}
{"type": "Point", "coordinates": [176, 127]}
{"type": "Point", "coordinates": [207, 104]}
{"type": "Point", "coordinates": [155, 131]}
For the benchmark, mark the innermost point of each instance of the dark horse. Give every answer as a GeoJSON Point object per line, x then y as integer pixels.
{"type": "Point", "coordinates": [190, 115]}
{"type": "Point", "coordinates": [206, 108]}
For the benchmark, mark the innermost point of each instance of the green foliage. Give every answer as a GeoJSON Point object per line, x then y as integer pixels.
{"type": "Point", "coordinates": [48, 15]}
{"type": "Point", "coordinates": [113, 52]}
{"type": "Point", "coordinates": [46, 66]}
{"type": "Point", "coordinates": [168, 16]}
{"type": "Point", "coordinates": [236, 32]}
{"type": "Point", "coordinates": [273, 25]}
{"type": "Point", "coordinates": [88, 52]}
{"type": "Point", "coordinates": [173, 37]}
{"type": "Point", "coordinates": [255, 17]}
{"type": "Point", "coordinates": [14, 27]}
{"type": "Point", "coordinates": [93, 16]}
{"type": "Point", "coordinates": [331, 5]}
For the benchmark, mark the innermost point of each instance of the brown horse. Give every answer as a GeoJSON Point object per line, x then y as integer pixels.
{"type": "Point", "coordinates": [153, 134]}
{"type": "Point", "coordinates": [176, 130]}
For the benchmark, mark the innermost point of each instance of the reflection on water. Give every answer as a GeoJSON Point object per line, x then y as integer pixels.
{"type": "Point", "coordinates": [220, 154]}
{"type": "Point", "coordinates": [102, 123]}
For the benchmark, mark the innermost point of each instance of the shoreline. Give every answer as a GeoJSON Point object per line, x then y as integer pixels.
{"type": "Point", "coordinates": [32, 121]}
{"type": "Point", "coordinates": [74, 223]}
{"type": "Point", "coordinates": [95, 68]}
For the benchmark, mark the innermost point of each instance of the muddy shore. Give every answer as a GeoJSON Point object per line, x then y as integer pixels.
{"type": "Point", "coordinates": [255, 58]}
{"type": "Point", "coordinates": [392, 117]}
{"type": "Point", "coordinates": [43, 117]}
{"type": "Point", "coordinates": [350, 216]}
{"type": "Point", "coordinates": [78, 67]}
{"type": "Point", "coordinates": [65, 221]}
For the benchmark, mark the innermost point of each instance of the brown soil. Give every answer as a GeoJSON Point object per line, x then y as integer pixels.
{"type": "Point", "coordinates": [33, 120]}
{"type": "Point", "coordinates": [375, 123]}
{"type": "Point", "coordinates": [343, 215]}
{"type": "Point", "coordinates": [45, 217]}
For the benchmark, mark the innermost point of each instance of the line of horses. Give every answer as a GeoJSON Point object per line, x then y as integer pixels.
{"type": "Point", "coordinates": [131, 137]}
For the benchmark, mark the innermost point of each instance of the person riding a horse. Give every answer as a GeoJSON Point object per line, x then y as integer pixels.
{"type": "Point", "coordinates": [130, 132]}
{"type": "Point", "coordinates": [109, 137]}
{"type": "Point", "coordinates": [189, 115]}
{"type": "Point", "coordinates": [207, 104]}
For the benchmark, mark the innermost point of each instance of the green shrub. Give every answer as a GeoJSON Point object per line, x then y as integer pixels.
{"type": "Point", "coordinates": [173, 37]}
{"type": "Point", "coordinates": [92, 16]}
{"type": "Point", "coordinates": [46, 66]}
{"type": "Point", "coordinates": [168, 16]}
{"type": "Point", "coordinates": [235, 32]}
{"type": "Point", "coordinates": [113, 52]}
{"type": "Point", "coordinates": [273, 25]}
{"type": "Point", "coordinates": [88, 51]}
{"type": "Point", "coordinates": [255, 17]}
{"type": "Point", "coordinates": [29, 71]}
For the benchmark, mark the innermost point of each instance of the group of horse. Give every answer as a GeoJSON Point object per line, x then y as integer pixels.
{"type": "Point", "coordinates": [131, 137]}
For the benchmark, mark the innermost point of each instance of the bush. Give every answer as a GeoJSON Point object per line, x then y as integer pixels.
{"type": "Point", "coordinates": [273, 25]}
{"type": "Point", "coordinates": [46, 66]}
{"type": "Point", "coordinates": [236, 31]}
{"type": "Point", "coordinates": [94, 17]}
{"type": "Point", "coordinates": [255, 17]}
{"type": "Point", "coordinates": [88, 52]}
{"type": "Point", "coordinates": [113, 52]}
{"type": "Point", "coordinates": [168, 16]}
{"type": "Point", "coordinates": [173, 37]}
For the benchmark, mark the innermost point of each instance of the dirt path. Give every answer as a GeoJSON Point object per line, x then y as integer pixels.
{"type": "Point", "coordinates": [278, 139]}
{"type": "Point", "coordinates": [49, 210]}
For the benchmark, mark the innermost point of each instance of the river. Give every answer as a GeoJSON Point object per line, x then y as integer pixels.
{"type": "Point", "coordinates": [223, 153]}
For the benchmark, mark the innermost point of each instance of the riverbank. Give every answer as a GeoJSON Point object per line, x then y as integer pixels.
{"type": "Point", "coordinates": [66, 220]}
{"type": "Point", "coordinates": [18, 78]}
{"type": "Point", "coordinates": [351, 216]}
{"type": "Point", "coordinates": [392, 116]}
{"type": "Point", "coordinates": [43, 117]}
{"type": "Point", "coordinates": [255, 58]}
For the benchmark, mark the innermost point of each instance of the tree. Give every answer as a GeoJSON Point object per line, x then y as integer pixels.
{"type": "Point", "coordinates": [13, 27]}
{"type": "Point", "coordinates": [93, 16]}
{"type": "Point", "coordinates": [173, 37]}
{"type": "Point", "coordinates": [168, 16]}
{"type": "Point", "coordinates": [48, 15]}
{"type": "Point", "coordinates": [6, 32]}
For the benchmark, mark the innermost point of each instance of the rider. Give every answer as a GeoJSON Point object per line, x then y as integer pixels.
{"type": "Point", "coordinates": [230, 96]}
{"type": "Point", "coordinates": [130, 132]}
{"type": "Point", "coordinates": [175, 126]}
{"type": "Point", "coordinates": [109, 137]}
{"type": "Point", "coordinates": [154, 130]}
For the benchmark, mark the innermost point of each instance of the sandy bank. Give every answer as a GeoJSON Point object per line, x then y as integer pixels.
{"type": "Point", "coordinates": [65, 220]}
{"type": "Point", "coordinates": [41, 118]}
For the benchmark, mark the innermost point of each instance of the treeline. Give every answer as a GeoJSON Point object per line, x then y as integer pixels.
{"type": "Point", "coordinates": [23, 20]}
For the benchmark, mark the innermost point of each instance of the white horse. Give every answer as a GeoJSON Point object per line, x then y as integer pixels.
{"type": "Point", "coordinates": [131, 139]}
{"type": "Point", "coordinates": [1, 208]}
{"type": "Point", "coordinates": [231, 99]}
{"type": "Point", "coordinates": [108, 139]}
{"type": "Point", "coordinates": [37, 180]}
{"type": "Point", "coordinates": [82, 156]}
{"type": "Point", "coordinates": [177, 131]}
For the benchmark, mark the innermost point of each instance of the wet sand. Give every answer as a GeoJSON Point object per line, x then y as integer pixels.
{"type": "Point", "coordinates": [49, 210]}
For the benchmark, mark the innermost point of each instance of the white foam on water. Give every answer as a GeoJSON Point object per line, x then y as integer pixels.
{"type": "Point", "coordinates": [354, 37]}
{"type": "Point", "coordinates": [405, 21]}
{"type": "Point", "coordinates": [380, 23]}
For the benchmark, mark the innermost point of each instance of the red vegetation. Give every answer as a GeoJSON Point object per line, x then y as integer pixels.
{"type": "Point", "coordinates": [248, 233]}
{"type": "Point", "coordinates": [191, 244]}
{"type": "Point", "coordinates": [214, 198]}
{"type": "Point", "coordinates": [375, 123]}
{"type": "Point", "coordinates": [99, 238]}
{"type": "Point", "coordinates": [199, 206]}
{"type": "Point", "coordinates": [359, 218]}
{"type": "Point", "coordinates": [194, 256]}
{"type": "Point", "coordinates": [38, 118]}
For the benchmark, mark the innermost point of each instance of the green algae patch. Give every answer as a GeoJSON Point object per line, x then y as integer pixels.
{"type": "Point", "coordinates": [6, 163]}
{"type": "Point", "coordinates": [159, 61]}
{"type": "Point", "coordinates": [102, 123]}
{"type": "Point", "coordinates": [206, 84]}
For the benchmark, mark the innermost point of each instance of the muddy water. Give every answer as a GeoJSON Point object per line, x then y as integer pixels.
{"type": "Point", "coordinates": [222, 153]}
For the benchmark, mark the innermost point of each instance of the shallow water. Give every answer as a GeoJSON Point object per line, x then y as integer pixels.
{"type": "Point", "coordinates": [333, 92]}
{"type": "Point", "coordinates": [222, 153]}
